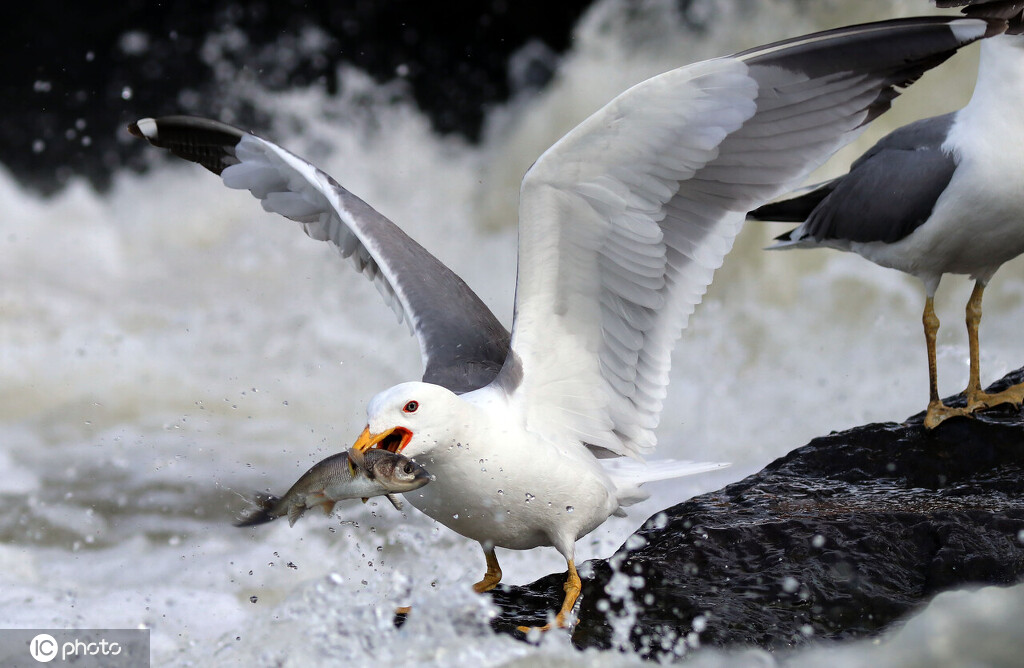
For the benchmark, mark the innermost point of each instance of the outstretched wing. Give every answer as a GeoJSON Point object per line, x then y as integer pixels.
{"type": "Point", "coordinates": [462, 344]}
{"type": "Point", "coordinates": [625, 219]}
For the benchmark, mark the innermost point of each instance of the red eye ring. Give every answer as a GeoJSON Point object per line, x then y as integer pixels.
{"type": "Point", "coordinates": [411, 407]}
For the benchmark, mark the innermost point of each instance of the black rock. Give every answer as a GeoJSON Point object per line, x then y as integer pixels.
{"type": "Point", "coordinates": [838, 539]}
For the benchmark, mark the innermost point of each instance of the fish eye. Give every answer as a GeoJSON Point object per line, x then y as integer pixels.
{"type": "Point", "coordinates": [411, 407]}
{"type": "Point", "coordinates": [408, 468]}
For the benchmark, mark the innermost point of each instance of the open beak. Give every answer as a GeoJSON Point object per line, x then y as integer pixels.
{"type": "Point", "coordinates": [392, 440]}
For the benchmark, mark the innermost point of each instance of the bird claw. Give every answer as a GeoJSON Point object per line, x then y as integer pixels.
{"type": "Point", "coordinates": [939, 412]}
{"type": "Point", "coordinates": [981, 400]}
{"type": "Point", "coordinates": [977, 400]}
{"type": "Point", "coordinates": [561, 622]}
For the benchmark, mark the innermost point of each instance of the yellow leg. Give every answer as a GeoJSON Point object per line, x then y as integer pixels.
{"type": "Point", "coordinates": [573, 587]}
{"type": "Point", "coordinates": [493, 575]}
{"type": "Point", "coordinates": [976, 397]}
{"type": "Point", "coordinates": [937, 412]}
{"type": "Point", "coordinates": [974, 393]}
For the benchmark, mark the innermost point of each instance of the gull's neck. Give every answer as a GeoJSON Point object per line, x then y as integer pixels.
{"type": "Point", "coordinates": [998, 98]}
{"type": "Point", "coordinates": [990, 129]}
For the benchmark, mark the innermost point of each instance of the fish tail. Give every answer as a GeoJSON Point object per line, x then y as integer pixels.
{"type": "Point", "coordinates": [263, 512]}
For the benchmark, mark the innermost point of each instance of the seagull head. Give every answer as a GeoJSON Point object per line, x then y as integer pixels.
{"type": "Point", "coordinates": [411, 418]}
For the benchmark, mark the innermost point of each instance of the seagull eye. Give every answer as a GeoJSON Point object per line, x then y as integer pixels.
{"type": "Point", "coordinates": [411, 407]}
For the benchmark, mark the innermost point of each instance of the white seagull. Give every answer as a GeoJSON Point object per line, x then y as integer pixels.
{"type": "Point", "coordinates": [622, 224]}
{"type": "Point", "coordinates": [943, 195]}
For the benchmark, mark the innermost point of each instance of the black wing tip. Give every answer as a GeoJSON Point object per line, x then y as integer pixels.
{"type": "Point", "coordinates": [993, 26]}
{"type": "Point", "coordinates": [1011, 11]}
{"type": "Point", "coordinates": [204, 141]}
{"type": "Point", "coordinates": [785, 236]}
{"type": "Point", "coordinates": [156, 129]}
{"type": "Point", "coordinates": [793, 210]}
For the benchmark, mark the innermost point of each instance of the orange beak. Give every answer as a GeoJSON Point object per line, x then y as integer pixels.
{"type": "Point", "coordinates": [393, 440]}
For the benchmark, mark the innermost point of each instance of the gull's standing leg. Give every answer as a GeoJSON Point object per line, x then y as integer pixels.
{"type": "Point", "coordinates": [493, 575]}
{"type": "Point", "coordinates": [937, 411]}
{"type": "Point", "coordinates": [573, 587]}
{"type": "Point", "coordinates": [976, 397]}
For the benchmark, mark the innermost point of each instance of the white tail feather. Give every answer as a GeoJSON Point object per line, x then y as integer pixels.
{"type": "Point", "coordinates": [629, 474]}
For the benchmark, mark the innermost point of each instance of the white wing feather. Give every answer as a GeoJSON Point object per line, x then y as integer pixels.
{"type": "Point", "coordinates": [624, 221]}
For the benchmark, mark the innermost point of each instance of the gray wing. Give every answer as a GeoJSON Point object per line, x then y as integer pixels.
{"type": "Point", "coordinates": [888, 193]}
{"type": "Point", "coordinates": [462, 344]}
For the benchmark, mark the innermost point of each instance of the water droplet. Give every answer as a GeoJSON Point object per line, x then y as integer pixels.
{"type": "Point", "coordinates": [291, 565]}
{"type": "Point", "coordinates": [501, 492]}
{"type": "Point", "coordinates": [529, 497]}
{"type": "Point", "coordinates": [455, 516]}
{"type": "Point", "coordinates": [253, 599]}
{"type": "Point", "coordinates": [819, 541]}
{"type": "Point", "coordinates": [569, 509]}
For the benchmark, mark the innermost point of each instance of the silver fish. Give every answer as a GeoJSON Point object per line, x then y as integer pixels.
{"type": "Point", "coordinates": [347, 475]}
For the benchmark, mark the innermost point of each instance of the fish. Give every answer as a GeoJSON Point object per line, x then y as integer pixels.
{"type": "Point", "coordinates": [346, 475]}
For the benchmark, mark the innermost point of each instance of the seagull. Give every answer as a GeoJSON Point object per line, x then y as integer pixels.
{"type": "Point", "coordinates": [942, 195]}
{"type": "Point", "coordinates": [536, 436]}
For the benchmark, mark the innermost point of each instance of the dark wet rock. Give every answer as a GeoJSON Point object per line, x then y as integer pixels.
{"type": "Point", "coordinates": [838, 539]}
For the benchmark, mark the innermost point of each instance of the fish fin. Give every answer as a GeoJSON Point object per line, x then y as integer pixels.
{"type": "Point", "coordinates": [328, 507]}
{"type": "Point", "coordinates": [395, 501]}
{"type": "Point", "coordinates": [294, 513]}
{"type": "Point", "coordinates": [263, 511]}
{"type": "Point", "coordinates": [355, 461]}
{"type": "Point", "coordinates": [365, 499]}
